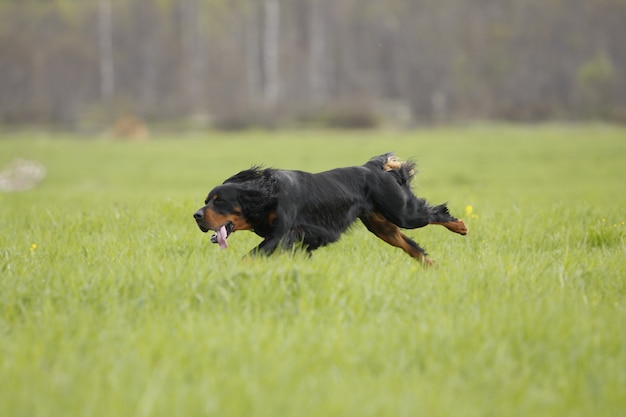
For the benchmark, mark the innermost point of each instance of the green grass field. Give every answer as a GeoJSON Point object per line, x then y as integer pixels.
{"type": "Point", "coordinates": [113, 303]}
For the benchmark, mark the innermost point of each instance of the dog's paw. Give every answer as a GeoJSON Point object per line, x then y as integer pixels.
{"type": "Point", "coordinates": [426, 261]}
{"type": "Point", "coordinates": [458, 226]}
{"type": "Point", "coordinates": [461, 227]}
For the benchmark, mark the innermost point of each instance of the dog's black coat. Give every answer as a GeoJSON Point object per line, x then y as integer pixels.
{"type": "Point", "coordinates": [295, 207]}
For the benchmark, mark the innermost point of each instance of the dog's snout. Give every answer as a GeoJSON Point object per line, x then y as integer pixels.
{"type": "Point", "coordinates": [198, 215]}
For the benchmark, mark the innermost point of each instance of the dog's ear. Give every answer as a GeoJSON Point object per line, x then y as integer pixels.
{"type": "Point", "coordinates": [258, 207]}
{"type": "Point", "coordinates": [249, 196]}
{"type": "Point", "coordinates": [256, 202]}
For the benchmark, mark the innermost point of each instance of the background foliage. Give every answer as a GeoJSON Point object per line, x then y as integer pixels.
{"type": "Point", "coordinates": [284, 62]}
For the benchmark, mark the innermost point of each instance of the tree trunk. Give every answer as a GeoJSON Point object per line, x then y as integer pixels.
{"type": "Point", "coordinates": [271, 38]}
{"type": "Point", "coordinates": [318, 77]}
{"type": "Point", "coordinates": [254, 67]}
{"type": "Point", "coordinates": [105, 42]}
{"type": "Point", "coordinates": [193, 54]}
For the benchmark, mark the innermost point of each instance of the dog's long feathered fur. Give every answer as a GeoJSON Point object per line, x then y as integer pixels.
{"type": "Point", "coordinates": [295, 207]}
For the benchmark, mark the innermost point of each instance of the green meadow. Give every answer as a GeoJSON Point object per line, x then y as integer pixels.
{"type": "Point", "coordinates": [113, 303]}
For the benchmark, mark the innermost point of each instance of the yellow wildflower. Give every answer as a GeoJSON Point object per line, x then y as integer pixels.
{"type": "Point", "coordinates": [469, 212]}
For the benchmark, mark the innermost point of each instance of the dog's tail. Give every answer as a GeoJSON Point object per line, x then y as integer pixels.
{"type": "Point", "coordinates": [404, 171]}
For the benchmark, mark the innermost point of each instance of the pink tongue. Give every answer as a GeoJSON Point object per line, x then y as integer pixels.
{"type": "Point", "coordinates": [222, 234]}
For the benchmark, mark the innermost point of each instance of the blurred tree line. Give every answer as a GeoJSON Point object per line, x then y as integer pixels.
{"type": "Point", "coordinates": [235, 63]}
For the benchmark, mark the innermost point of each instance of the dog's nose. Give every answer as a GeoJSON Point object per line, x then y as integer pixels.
{"type": "Point", "coordinates": [198, 215]}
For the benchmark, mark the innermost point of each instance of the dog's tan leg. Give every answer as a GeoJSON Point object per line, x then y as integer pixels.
{"type": "Point", "coordinates": [457, 226]}
{"type": "Point", "coordinates": [390, 233]}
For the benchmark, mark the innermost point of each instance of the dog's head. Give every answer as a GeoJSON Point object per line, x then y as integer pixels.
{"type": "Point", "coordinates": [223, 212]}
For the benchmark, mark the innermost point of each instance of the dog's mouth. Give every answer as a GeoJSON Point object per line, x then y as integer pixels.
{"type": "Point", "coordinates": [222, 233]}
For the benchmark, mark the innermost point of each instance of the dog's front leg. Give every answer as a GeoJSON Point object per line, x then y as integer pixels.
{"type": "Point", "coordinates": [266, 247]}
{"type": "Point", "coordinates": [287, 241]}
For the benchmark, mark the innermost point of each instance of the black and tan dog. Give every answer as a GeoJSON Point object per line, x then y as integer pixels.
{"type": "Point", "coordinates": [289, 208]}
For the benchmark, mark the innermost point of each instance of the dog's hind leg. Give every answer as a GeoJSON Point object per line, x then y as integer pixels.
{"type": "Point", "coordinates": [390, 233]}
{"type": "Point", "coordinates": [440, 215]}
{"type": "Point", "coordinates": [413, 213]}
